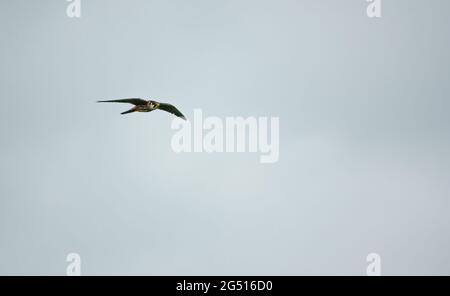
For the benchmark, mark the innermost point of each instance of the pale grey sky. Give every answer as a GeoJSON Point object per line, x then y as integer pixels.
{"type": "Point", "coordinates": [364, 137]}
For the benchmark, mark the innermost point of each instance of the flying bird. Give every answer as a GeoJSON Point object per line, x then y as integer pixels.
{"type": "Point", "coordinates": [141, 105]}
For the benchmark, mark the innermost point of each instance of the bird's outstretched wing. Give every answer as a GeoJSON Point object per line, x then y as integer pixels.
{"type": "Point", "coordinates": [134, 101]}
{"type": "Point", "coordinates": [171, 109]}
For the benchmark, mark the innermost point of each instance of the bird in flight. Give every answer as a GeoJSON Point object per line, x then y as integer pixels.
{"type": "Point", "coordinates": [141, 105]}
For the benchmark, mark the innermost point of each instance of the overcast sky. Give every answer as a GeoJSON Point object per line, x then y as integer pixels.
{"type": "Point", "coordinates": [364, 137]}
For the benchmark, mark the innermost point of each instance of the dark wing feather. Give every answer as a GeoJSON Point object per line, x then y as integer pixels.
{"type": "Point", "coordinates": [171, 109]}
{"type": "Point", "coordinates": [134, 101]}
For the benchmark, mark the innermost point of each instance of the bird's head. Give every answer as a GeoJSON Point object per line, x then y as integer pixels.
{"type": "Point", "coordinates": [152, 104]}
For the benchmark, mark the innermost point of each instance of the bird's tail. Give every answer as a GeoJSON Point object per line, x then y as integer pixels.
{"type": "Point", "coordinates": [129, 111]}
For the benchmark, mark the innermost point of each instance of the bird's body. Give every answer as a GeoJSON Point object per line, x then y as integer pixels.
{"type": "Point", "coordinates": [141, 105]}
